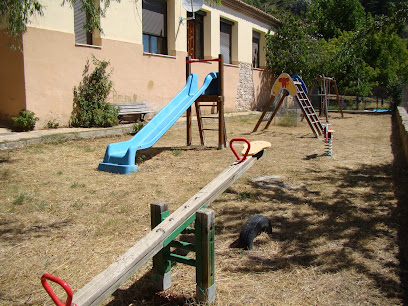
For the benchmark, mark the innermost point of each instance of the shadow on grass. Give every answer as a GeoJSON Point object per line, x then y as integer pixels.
{"type": "Point", "coordinates": [361, 209]}
{"type": "Point", "coordinates": [14, 232]}
{"type": "Point", "coordinates": [143, 293]}
{"type": "Point", "coordinates": [347, 230]}
{"type": "Point", "coordinates": [147, 154]}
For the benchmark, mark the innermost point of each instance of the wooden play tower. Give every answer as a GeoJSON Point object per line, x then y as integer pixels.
{"type": "Point", "coordinates": [213, 98]}
{"type": "Point", "coordinates": [326, 90]}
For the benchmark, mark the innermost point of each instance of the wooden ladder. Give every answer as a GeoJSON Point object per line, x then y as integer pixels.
{"type": "Point", "coordinates": [308, 110]}
{"type": "Point", "coordinates": [217, 104]}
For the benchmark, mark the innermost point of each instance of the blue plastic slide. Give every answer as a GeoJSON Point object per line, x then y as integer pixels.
{"type": "Point", "coordinates": [120, 157]}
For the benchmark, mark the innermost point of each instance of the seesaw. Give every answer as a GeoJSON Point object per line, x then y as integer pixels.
{"type": "Point", "coordinates": [156, 244]}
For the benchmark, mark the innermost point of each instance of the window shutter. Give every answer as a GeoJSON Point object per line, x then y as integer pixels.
{"type": "Point", "coordinates": [153, 14]}
{"type": "Point", "coordinates": [225, 41]}
{"type": "Point", "coordinates": [79, 23]}
{"type": "Point", "coordinates": [255, 49]}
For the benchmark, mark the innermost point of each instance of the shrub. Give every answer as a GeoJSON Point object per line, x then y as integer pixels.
{"type": "Point", "coordinates": [25, 121]}
{"type": "Point", "coordinates": [90, 106]}
{"type": "Point", "coordinates": [51, 124]}
{"type": "Point", "coordinates": [137, 126]}
{"type": "Point", "coordinates": [176, 152]}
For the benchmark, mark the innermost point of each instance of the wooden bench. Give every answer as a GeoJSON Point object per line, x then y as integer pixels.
{"type": "Point", "coordinates": [130, 109]}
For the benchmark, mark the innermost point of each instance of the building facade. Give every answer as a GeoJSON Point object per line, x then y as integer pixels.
{"type": "Point", "coordinates": [146, 43]}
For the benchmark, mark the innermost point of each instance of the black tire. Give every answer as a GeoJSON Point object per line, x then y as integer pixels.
{"type": "Point", "coordinates": [251, 229]}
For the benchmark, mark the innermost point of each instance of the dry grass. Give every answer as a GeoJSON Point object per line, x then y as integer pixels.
{"type": "Point", "coordinates": [335, 239]}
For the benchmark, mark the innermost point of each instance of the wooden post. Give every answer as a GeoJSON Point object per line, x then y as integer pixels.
{"type": "Point", "coordinates": [268, 106]}
{"type": "Point", "coordinates": [188, 121]}
{"type": "Point", "coordinates": [161, 266]}
{"type": "Point", "coordinates": [326, 83]}
{"type": "Point", "coordinates": [324, 94]}
{"type": "Point", "coordinates": [221, 124]}
{"type": "Point", "coordinates": [205, 255]}
{"type": "Point", "coordinates": [222, 139]}
{"type": "Point", "coordinates": [199, 122]}
{"type": "Point", "coordinates": [338, 98]}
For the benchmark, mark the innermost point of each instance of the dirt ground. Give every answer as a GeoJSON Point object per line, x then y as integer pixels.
{"type": "Point", "coordinates": [338, 232]}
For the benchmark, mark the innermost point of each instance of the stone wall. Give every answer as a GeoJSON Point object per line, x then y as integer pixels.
{"type": "Point", "coordinates": [402, 119]}
{"type": "Point", "coordinates": [245, 91]}
{"type": "Point", "coordinates": [405, 97]}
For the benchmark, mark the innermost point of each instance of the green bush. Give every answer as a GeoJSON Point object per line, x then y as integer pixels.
{"type": "Point", "coordinates": [137, 126]}
{"type": "Point", "coordinates": [25, 121]}
{"type": "Point", "coordinates": [90, 106]}
{"type": "Point", "coordinates": [51, 124]}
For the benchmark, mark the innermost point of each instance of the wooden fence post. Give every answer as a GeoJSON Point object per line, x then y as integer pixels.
{"type": "Point", "coordinates": [161, 266]}
{"type": "Point", "coordinates": [205, 253]}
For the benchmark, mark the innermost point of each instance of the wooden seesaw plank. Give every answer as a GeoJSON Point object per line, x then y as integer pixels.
{"type": "Point", "coordinates": [105, 283]}
{"type": "Point", "coordinates": [255, 147]}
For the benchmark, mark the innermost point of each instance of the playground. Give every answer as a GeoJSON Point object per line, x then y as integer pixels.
{"type": "Point", "coordinates": [336, 237]}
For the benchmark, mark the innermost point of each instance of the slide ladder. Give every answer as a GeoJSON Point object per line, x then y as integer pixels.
{"type": "Point", "coordinates": [216, 113]}
{"type": "Point", "coordinates": [213, 101]}
{"type": "Point", "coordinates": [307, 109]}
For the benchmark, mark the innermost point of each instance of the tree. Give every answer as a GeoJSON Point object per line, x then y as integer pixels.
{"type": "Point", "coordinates": [376, 7]}
{"type": "Point", "coordinates": [368, 56]}
{"type": "Point", "coordinates": [388, 55]}
{"type": "Point", "coordinates": [347, 64]}
{"type": "Point", "coordinates": [331, 17]}
{"type": "Point", "coordinates": [291, 48]}
{"type": "Point", "coordinates": [17, 14]}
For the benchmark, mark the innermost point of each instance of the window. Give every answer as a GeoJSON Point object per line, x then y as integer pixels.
{"type": "Point", "coordinates": [225, 39]}
{"type": "Point", "coordinates": [154, 26]}
{"type": "Point", "coordinates": [256, 36]}
{"type": "Point", "coordinates": [195, 35]}
{"type": "Point", "coordinates": [82, 36]}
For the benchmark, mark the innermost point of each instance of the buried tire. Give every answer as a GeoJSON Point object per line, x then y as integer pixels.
{"type": "Point", "coordinates": [254, 226]}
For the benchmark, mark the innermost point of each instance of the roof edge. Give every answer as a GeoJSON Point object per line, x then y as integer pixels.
{"type": "Point", "coordinates": [252, 11]}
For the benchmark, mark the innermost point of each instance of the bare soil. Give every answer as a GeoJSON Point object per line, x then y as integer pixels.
{"type": "Point", "coordinates": [337, 230]}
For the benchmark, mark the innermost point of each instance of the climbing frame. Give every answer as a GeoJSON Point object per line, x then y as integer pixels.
{"type": "Point", "coordinates": [326, 86]}
{"type": "Point", "coordinates": [284, 86]}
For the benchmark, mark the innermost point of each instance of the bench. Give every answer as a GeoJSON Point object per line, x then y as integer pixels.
{"type": "Point", "coordinates": [127, 110]}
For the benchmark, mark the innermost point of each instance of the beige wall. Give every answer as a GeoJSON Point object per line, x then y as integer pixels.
{"type": "Point", "coordinates": [241, 34]}
{"type": "Point", "coordinates": [56, 17]}
{"type": "Point", "coordinates": [211, 34]}
{"type": "Point", "coordinates": [12, 97]}
{"type": "Point", "coordinates": [263, 82]}
{"type": "Point", "coordinates": [44, 75]}
{"type": "Point", "coordinates": [54, 66]}
{"type": "Point", "coordinates": [123, 22]}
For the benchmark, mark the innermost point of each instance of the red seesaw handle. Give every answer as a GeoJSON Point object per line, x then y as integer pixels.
{"type": "Point", "coordinates": [240, 159]}
{"type": "Point", "coordinates": [51, 293]}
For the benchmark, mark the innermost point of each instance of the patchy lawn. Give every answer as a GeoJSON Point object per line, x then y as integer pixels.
{"type": "Point", "coordinates": [337, 234]}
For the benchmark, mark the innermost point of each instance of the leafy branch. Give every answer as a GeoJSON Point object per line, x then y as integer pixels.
{"type": "Point", "coordinates": [18, 13]}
